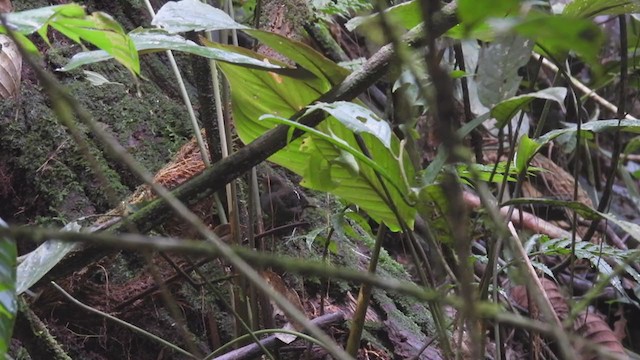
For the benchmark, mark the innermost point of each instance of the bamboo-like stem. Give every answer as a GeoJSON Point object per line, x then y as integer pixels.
{"type": "Point", "coordinates": [192, 116]}
{"type": "Point", "coordinates": [353, 343]}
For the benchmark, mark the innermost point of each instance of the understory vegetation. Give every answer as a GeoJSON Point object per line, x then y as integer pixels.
{"type": "Point", "coordinates": [292, 179]}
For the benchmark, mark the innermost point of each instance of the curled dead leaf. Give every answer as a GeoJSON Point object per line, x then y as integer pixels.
{"type": "Point", "coordinates": [10, 67]}
{"type": "Point", "coordinates": [593, 327]}
{"type": "Point", "coordinates": [556, 298]}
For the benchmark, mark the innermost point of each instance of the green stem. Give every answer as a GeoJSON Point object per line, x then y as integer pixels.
{"type": "Point", "coordinates": [357, 326]}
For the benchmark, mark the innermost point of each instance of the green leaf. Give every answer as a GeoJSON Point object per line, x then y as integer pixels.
{"type": "Point", "coordinates": [156, 40]}
{"type": "Point", "coordinates": [29, 21]}
{"type": "Point", "coordinates": [8, 302]}
{"type": "Point", "coordinates": [505, 110]}
{"type": "Point", "coordinates": [193, 15]}
{"type": "Point", "coordinates": [433, 206]}
{"type": "Point", "coordinates": [358, 220]}
{"type": "Point", "coordinates": [632, 146]}
{"type": "Point", "coordinates": [102, 31]}
{"type": "Point", "coordinates": [485, 172]}
{"type": "Point", "coordinates": [327, 160]}
{"type": "Point", "coordinates": [406, 15]}
{"type": "Point", "coordinates": [498, 66]}
{"type": "Point", "coordinates": [318, 174]}
{"type": "Point", "coordinates": [358, 119]}
{"type": "Point", "coordinates": [303, 55]}
{"type": "Point", "coordinates": [544, 268]}
{"type": "Point", "coordinates": [38, 262]}
{"type": "Point", "coordinates": [256, 93]}
{"type": "Point", "coordinates": [71, 20]}
{"type": "Point", "coordinates": [592, 8]}
{"type": "Point", "coordinates": [579, 35]}
{"type": "Point", "coordinates": [631, 126]}
{"type": "Point", "coordinates": [332, 140]}
{"type": "Point", "coordinates": [527, 148]}
{"type": "Point", "coordinates": [97, 79]}
{"type": "Point", "coordinates": [474, 12]}
{"type": "Point", "coordinates": [595, 254]}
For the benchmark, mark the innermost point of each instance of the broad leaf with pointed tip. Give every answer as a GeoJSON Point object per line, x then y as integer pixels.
{"type": "Point", "coordinates": [38, 262]}
{"type": "Point", "coordinates": [98, 29]}
{"type": "Point", "coordinates": [321, 161]}
{"type": "Point", "coordinates": [147, 41]}
{"type": "Point", "coordinates": [30, 21]}
{"type": "Point", "coordinates": [193, 15]}
{"type": "Point", "coordinates": [498, 65]}
{"type": "Point", "coordinates": [506, 109]}
{"type": "Point", "coordinates": [631, 126]}
{"type": "Point", "coordinates": [358, 119]}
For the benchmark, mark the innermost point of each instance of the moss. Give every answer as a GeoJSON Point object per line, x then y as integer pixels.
{"type": "Point", "coordinates": [125, 266]}
{"type": "Point", "coordinates": [414, 319]}
{"type": "Point", "coordinates": [44, 161]}
{"type": "Point", "coordinates": [416, 311]}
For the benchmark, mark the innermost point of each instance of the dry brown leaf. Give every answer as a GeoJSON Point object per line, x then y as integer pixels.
{"type": "Point", "coordinates": [556, 298]}
{"type": "Point", "coordinates": [278, 284]}
{"type": "Point", "coordinates": [620, 325]}
{"type": "Point", "coordinates": [10, 67]}
{"type": "Point", "coordinates": [592, 326]}
{"type": "Point", "coordinates": [556, 181]}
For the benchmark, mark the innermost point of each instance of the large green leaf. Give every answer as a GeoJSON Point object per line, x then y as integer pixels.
{"type": "Point", "coordinates": [71, 20]}
{"type": "Point", "coordinates": [358, 119]}
{"type": "Point", "coordinates": [323, 165]}
{"type": "Point", "coordinates": [30, 21]}
{"type": "Point", "coordinates": [354, 180]}
{"type": "Point", "coordinates": [498, 65]}
{"type": "Point", "coordinates": [505, 110]}
{"type": "Point", "coordinates": [303, 55]}
{"type": "Point", "coordinates": [147, 41]}
{"type": "Point", "coordinates": [8, 304]}
{"type": "Point", "coordinates": [38, 262]}
{"type": "Point", "coordinates": [193, 15]}
{"type": "Point", "coordinates": [579, 35]}
{"type": "Point", "coordinates": [102, 31]}
{"type": "Point", "coordinates": [632, 126]}
{"type": "Point", "coordinates": [591, 8]}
